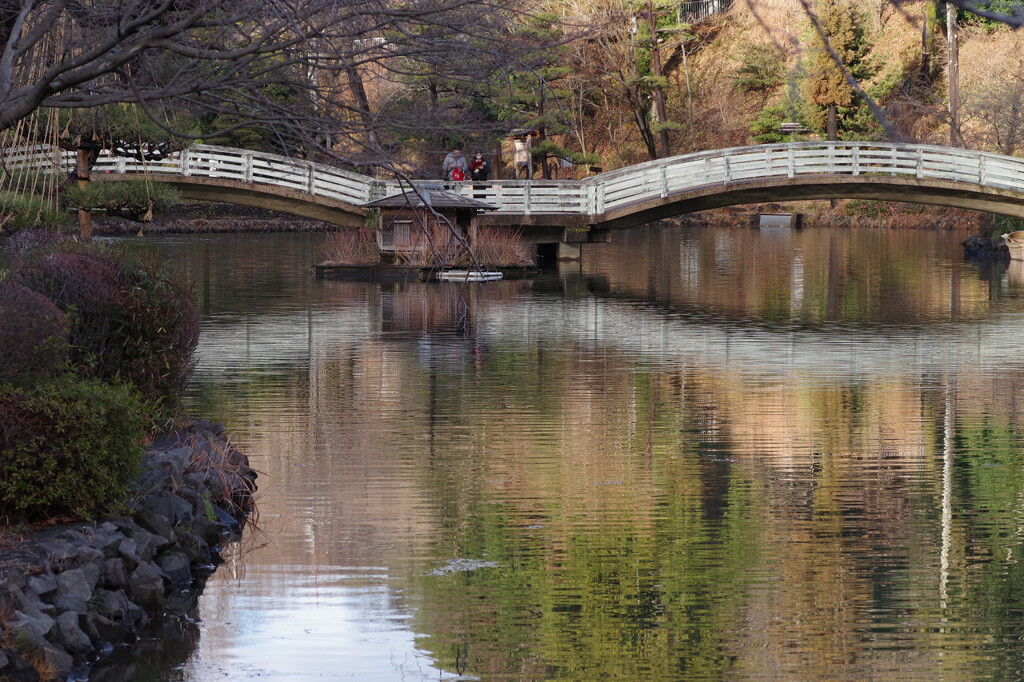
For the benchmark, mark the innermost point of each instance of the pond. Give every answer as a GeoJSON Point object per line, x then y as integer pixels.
{"type": "Point", "coordinates": [699, 453]}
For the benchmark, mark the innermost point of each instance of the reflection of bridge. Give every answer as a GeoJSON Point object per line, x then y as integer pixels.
{"type": "Point", "coordinates": [557, 209]}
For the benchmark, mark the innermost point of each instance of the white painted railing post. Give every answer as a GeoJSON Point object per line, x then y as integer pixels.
{"type": "Point", "coordinates": [790, 163]}
{"type": "Point", "coordinates": [310, 179]}
{"type": "Point", "coordinates": [248, 166]}
{"type": "Point", "coordinates": [856, 159]}
{"type": "Point", "coordinates": [600, 199]}
{"type": "Point", "coordinates": [728, 170]}
{"type": "Point", "coordinates": [122, 165]}
{"type": "Point", "coordinates": [920, 163]}
{"type": "Point", "coordinates": [664, 181]}
{"type": "Point", "coordinates": [526, 198]}
{"type": "Point", "coordinates": [982, 176]}
{"type": "Point", "coordinates": [184, 163]}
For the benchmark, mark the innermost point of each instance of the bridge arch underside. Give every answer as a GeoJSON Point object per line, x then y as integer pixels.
{"type": "Point", "coordinates": [267, 197]}
{"type": "Point", "coordinates": [879, 188]}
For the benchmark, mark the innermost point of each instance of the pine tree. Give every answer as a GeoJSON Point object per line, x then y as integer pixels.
{"type": "Point", "coordinates": [832, 103]}
{"type": "Point", "coordinates": [534, 90]}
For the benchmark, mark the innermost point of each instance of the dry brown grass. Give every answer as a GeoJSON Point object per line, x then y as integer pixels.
{"type": "Point", "coordinates": [26, 647]}
{"type": "Point", "coordinates": [495, 247]}
{"type": "Point", "coordinates": [503, 248]}
{"type": "Point", "coordinates": [350, 247]}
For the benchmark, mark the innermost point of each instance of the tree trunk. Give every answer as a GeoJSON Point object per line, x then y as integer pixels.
{"type": "Point", "coordinates": [435, 138]}
{"type": "Point", "coordinates": [689, 94]}
{"type": "Point", "coordinates": [545, 170]}
{"type": "Point", "coordinates": [83, 163]}
{"type": "Point", "coordinates": [928, 37]}
{"type": "Point", "coordinates": [659, 92]}
{"type": "Point", "coordinates": [833, 126]}
{"type": "Point", "coordinates": [358, 90]}
{"type": "Point", "coordinates": [953, 75]}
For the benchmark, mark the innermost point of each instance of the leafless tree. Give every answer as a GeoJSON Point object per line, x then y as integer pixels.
{"type": "Point", "coordinates": [322, 73]}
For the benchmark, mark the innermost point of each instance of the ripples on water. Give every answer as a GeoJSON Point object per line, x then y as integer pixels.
{"type": "Point", "coordinates": [704, 454]}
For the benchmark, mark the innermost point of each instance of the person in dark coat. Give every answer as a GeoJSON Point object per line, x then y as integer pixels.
{"type": "Point", "coordinates": [479, 168]}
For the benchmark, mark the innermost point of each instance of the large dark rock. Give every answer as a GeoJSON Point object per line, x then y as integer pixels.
{"type": "Point", "coordinates": [73, 591]}
{"type": "Point", "coordinates": [69, 635]}
{"type": "Point", "coordinates": [17, 669]}
{"type": "Point", "coordinates": [177, 567]}
{"type": "Point", "coordinates": [113, 574]}
{"type": "Point", "coordinates": [146, 587]}
{"type": "Point", "coordinates": [157, 524]}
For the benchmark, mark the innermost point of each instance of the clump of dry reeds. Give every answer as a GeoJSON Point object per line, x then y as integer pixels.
{"type": "Point", "coordinates": [495, 247]}
{"type": "Point", "coordinates": [503, 247]}
{"type": "Point", "coordinates": [350, 247]}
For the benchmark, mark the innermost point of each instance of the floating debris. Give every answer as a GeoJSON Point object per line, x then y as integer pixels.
{"type": "Point", "coordinates": [463, 566]}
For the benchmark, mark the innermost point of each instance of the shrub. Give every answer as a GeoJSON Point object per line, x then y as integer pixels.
{"type": "Point", "coordinates": [350, 247]}
{"type": "Point", "coordinates": [33, 335]}
{"type": "Point", "coordinates": [131, 320]}
{"type": "Point", "coordinates": [1004, 224]}
{"type": "Point", "coordinates": [132, 199]}
{"type": "Point", "coordinates": [69, 446]}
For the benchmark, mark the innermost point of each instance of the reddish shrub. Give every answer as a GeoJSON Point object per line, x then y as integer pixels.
{"type": "Point", "coordinates": [33, 335]}
{"type": "Point", "coordinates": [131, 320]}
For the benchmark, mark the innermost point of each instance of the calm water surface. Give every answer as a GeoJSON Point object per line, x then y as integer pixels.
{"type": "Point", "coordinates": [700, 454]}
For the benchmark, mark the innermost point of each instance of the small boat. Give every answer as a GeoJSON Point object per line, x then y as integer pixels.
{"type": "Point", "coordinates": [468, 276]}
{"type": "Point", "coordinates": [1015, 243]}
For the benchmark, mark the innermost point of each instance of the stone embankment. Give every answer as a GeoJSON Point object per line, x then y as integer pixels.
{"type": "Point", "coordinates": [70, 595]}
{"type": "Point", "coordinates": [977, 247]}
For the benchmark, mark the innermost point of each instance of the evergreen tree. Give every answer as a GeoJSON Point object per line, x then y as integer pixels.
{"type": "Point", "coordinates": [832, 103]}
{"type": "Point", "coordinates": [534, 87]}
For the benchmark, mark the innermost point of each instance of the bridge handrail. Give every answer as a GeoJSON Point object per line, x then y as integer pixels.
{"type": "Point", "coordinates": [249, 166]}
{"type": "Point", "coordinates": [664, 177]}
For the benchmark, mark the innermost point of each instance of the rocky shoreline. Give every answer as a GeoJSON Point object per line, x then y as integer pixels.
{"type": "Point", "coordinates": [977, 247]}
{"type": "Point", "coordinates": [71, 595]}
{"type": "Point", "coordinates": [211, 218]}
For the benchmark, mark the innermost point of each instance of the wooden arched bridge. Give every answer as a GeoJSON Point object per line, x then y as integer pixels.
{"type": "Point", "coordinates": [551, 209]}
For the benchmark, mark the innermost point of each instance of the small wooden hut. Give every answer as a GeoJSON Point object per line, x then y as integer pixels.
{"type": "Point", "coordinates": [408, 222]}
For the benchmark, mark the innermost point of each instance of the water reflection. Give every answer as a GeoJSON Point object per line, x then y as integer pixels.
{"type": "Point", "coordinates": [707, 454]}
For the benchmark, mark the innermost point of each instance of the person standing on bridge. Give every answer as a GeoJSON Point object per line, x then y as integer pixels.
{"type": "Point", "coordinates": [480, 169]}
{"type": "Point", "coordinates": [454, 166]}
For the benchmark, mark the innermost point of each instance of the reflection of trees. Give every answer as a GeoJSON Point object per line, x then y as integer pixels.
{"type": "Point", "coordinates": [807, 277]}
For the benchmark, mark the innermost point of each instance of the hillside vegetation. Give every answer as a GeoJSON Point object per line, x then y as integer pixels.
{"type": "Point", "coordinates": [734, 79]}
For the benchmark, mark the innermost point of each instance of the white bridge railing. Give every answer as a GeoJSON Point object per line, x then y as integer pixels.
{"type": "Point", "coordinates": [593, 196]}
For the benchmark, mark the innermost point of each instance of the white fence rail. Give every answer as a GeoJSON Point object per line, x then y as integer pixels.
{"type": "Point", "coordinates": [695, 11]}
{"type": "Point", "coordinates": [594, 196]}
{"type": "Point", "coordinates": [659, 179]}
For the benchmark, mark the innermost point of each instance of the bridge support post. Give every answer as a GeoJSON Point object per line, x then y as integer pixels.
{"type": "Point", "coordinates": [569, 251]}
